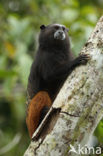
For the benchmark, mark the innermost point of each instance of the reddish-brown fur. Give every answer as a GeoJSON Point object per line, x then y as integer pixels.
{"type": "Point", "coordinates": [36, 105]}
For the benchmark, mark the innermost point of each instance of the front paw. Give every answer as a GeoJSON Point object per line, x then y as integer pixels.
{"type": "Point", "coordinates": [83, 58]}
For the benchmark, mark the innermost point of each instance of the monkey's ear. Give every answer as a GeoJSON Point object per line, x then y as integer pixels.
{"type": "Point", "coordinates": [42, 27]}
{"type": "Point", "coordinates": [67, 29]}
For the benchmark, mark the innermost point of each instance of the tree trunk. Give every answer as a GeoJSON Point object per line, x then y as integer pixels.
{"type": "Point", "coordinates": [78, 107]}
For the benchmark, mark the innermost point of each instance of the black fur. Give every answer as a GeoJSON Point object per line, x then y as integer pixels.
{"type": "Point", "coordinates": [53, 62]}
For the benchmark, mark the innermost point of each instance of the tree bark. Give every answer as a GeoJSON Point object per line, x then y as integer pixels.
{"type": "Point", "coordinates": [79, 105]}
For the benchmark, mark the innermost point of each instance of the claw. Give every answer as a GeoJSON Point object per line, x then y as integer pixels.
{"type": "Point", "coordinates": [83, 58]}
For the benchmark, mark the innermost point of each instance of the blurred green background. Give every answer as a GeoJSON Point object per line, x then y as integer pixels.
{"type": "Point", "coordinates": [19, 27]}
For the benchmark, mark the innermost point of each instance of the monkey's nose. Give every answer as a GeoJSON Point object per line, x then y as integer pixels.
{"type": "Point", "coordinates": [60, 32]}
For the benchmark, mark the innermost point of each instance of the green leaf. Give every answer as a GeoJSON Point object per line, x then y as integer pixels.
{"type": "Point", "coordinates": [7, 73]}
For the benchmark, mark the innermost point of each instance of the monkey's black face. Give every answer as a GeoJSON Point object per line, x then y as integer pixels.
{"type": "Point", "coordinates": [53, 34]}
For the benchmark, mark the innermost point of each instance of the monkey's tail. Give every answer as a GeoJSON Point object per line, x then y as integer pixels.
{"type": "Point", "coordinates": [37, 104]}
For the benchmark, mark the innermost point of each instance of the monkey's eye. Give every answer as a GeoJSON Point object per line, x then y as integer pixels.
{"type": "Point", "coordinates": [63, 28]}
{"type": "Point", "coordinates": [56, 27]}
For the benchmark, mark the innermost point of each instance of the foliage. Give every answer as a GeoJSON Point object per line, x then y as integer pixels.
{"type": "Point", "coordinates": [99, 132]}
{"type": "Point", "coordinates": [19, 27]}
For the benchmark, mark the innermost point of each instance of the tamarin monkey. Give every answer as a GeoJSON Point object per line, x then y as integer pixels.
{"type": "Point", "coordinates": [54, 61]}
